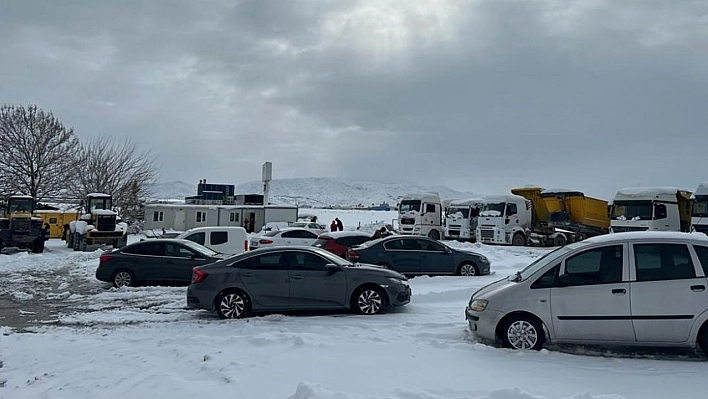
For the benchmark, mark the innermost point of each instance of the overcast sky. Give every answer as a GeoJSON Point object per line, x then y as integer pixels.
{"type": "Point", "coordinates": [480, 96]}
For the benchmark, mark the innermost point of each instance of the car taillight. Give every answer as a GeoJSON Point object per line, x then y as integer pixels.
{"type": "Point", "coordinates": [198, 275]}
{"type": "Point", "coordinates": [265, 241]}
{"type": "Point", "coordinates": [105, 258]}
{"type": "Point", "coordinates": [352, 255]}
{"type": "Point", "coordinates": [245, 245]}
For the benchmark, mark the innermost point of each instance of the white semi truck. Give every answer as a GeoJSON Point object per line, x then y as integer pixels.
{"type": "Point", "coordinates": [536, 216]}
{"type": "Point", "coordinates": [650, 209]}
{"type": "Point", "coordinates": [503, 220]}
{"type": "Point", "coordinates": [421, 214]}
{"type": "Point", "coordinates": [461, 219]}
{"type": "Point", "coordinates": [699, 209]}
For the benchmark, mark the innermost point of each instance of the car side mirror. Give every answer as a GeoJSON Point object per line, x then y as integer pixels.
{"type": "Point", "coordinates": [331, 268]}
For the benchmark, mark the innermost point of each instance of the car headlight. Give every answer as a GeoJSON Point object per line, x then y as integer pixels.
{"type": "Point", "coordinates": [398, 281]}
{"type": "Point", "coordinates": [484, 258]}
{"type": "Point", "coordinates": [478, 305]}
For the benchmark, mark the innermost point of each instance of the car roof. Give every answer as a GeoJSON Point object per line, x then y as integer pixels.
{"type": "Point", "coordinates": [163, 240]}
{"type": "Point", "coordinates": [207, 228]}
{"type": "Point", "coordinates": [349, 233]}
{"type": "Point", "coordinates": [648, 235]}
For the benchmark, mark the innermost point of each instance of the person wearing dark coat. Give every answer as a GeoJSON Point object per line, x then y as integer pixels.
{"type": "Point", "coordinates": [340, 225]}
{"type": "Point", "coordinates": [333, 226]}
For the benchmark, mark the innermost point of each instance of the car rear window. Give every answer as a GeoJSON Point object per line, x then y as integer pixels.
{"type": "Point", "coordinates": [320, 242]}
{"type": "Point", "coordinates": [272, 233]}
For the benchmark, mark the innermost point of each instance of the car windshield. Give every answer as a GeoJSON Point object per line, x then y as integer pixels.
{"type": "Point", "coordinates": [700, 208]}
{"type": "Point", "coordinates": [200, 249]}
{"type": "Point", "coordinates": [632, 210]}
{"type": "Point", "coordinates": [493, 209]}
{"type": "Point", "coordinates": [409, 205]}
{"type": "Point", "coordinates": [463, 212]}
{"type": "Point", "coordinates": [541, 262]}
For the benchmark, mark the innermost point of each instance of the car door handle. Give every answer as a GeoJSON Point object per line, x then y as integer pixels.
{"type": "Point", "coordinates": [247, 274]}
{"type": "Point", "coordinates": [698, 288]}
{"type": "Point", "coordinates": [619, 291]}
{"type": "Point", "coordinates": [297, 277]}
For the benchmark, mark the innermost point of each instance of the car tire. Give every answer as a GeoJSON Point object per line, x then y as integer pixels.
{"type": "Point", "coordinates": [123, 278]}
{"type": "Point", "coordinates": [369, 300]}
{"type": "Point", "coordinates": [232, 304]}
{"type": "Point", "coordinates": [703, 339]}
{"type": "Point", "coordinates": [434, 235]}
{"type": "Point", "coordinates": [467, 269]}
{"type": "Point", "coordinates": [522, 333]}
{"type": "Point", "coordinates": [519, 240]}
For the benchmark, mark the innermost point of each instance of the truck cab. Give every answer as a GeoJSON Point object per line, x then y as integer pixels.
{"type": "Point", "coordinates": [504, 220]}
{"type": "Point", "coordinates": [650, 209]}
{"type": "Point", "coordinates": [421, 214]}
{"type": "Point", "coordinates": [461, 219]}
{"type": "Point", "coordinates": [699, 209]}
{"type": "Point", "coordinates": [20, 227]}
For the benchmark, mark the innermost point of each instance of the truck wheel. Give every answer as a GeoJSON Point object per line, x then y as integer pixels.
{"type": "Point", "coordinates": [38, 245]}
{"type": "Point", "coordinates": [519, 240]}
{"type": "Point", "coordinates": [82, 243]}
{"type": "Point", "coordinates": [559, 241]}
{"type": "Point", "coordinates": [434, 235]}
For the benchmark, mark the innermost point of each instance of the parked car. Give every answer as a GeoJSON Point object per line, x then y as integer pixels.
{"type": "Point", "coordinates": [293, 278]}
{"type": "Point", "coordinates": [312, 226]}
{"type": "Point", "coordinates": [169, 260]}
{"type": "Point", "coordinates": [419, 255]}
{"type": "Point", "coordinates": [639, 288]}
{"type": "Point", "coordinates": [231, 240]}
{"type": "Point", "coordinates": [289, 236]}
{"type": "Point", "coordinates": [338, 242]}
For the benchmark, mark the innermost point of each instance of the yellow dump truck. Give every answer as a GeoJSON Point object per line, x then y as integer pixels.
{"type": "Point", "coordinates": [569, 212]}
{"type": "Point", "coordinates": [56, 220]}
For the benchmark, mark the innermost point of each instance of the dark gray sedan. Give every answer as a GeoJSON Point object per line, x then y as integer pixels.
{"type": "Point", "coordinates": [294, 278]}
{"type": "Point", "coordinates": [419, 255]}
{"type": "Point", "coordinates": [154, 261]}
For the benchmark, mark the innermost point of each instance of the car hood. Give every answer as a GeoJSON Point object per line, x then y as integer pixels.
{"type": "Point", "coordinates": [375, 269]}
{"type": "Point", "coordinates": [490, 289]}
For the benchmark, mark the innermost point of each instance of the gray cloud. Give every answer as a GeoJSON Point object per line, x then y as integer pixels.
{"type": "Point", "coordinates": [479, 95]}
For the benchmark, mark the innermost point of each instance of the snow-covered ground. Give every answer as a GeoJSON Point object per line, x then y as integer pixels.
{"type": "Point", "coordinates": [142, 342]}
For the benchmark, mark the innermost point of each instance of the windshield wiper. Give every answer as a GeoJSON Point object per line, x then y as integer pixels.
{"type": "Point", "coordinates": [517, 277]}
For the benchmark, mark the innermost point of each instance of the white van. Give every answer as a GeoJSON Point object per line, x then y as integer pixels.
{"type": "Point", "coordinates": [231, 240]}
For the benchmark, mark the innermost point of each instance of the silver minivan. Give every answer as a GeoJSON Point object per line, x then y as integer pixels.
{"type": "Point", "coordinates": [639, 288]}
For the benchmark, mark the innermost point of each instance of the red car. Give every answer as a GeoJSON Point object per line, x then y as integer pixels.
{"type": "Point", "coordinates": [338, 242]}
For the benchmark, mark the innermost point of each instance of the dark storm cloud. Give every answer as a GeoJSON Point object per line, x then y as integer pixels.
{"type": "Point", "coordinates": [479, 95]}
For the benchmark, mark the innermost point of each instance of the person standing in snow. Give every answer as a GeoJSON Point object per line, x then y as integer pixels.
{"type": "Point", "coordinates": [340, 225]}
{"type": "Point", "coordinates": [245, 225]}
{"type": "Point", "coordinates": [333, 226]}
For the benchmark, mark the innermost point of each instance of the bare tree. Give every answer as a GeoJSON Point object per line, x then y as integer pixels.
{"type": "Point", "coordinates": [37, 151]}
{"type": "Point", "coordinates": [115, 168]}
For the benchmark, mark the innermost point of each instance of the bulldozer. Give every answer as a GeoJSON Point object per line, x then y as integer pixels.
{"type": "Point", "coordinates": [96, 223]}
{"type": "Point", "coordinates": [20, 227]}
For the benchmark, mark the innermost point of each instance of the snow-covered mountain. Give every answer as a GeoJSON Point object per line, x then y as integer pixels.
{"type": "Point", "coordinates": [319, 191]}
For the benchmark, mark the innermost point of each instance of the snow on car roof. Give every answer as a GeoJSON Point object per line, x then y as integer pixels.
{"type": "Point", "coordinates": [99, 195]}
{"type": "Point", "coordinates": [348, 233]}
{"type": "Point", "coordinates": [654, 235]}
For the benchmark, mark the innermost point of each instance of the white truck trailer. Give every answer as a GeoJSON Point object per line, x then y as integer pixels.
{"type": "Point", "coordinates": [461, 219]}
{"type": "Point", "coordinates": [421, 214]}
{"type": "Point", "coordinates": [650, 209]}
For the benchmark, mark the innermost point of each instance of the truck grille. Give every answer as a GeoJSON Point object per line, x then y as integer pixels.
{"type": "Point", "coordinates": [106, 223]}
{"type": "Point", "coordinates": [487, 233]}
{"type": "Point", "coordinates": [407, 221]}
{"type": "Point", "coordinates": [21, 224]}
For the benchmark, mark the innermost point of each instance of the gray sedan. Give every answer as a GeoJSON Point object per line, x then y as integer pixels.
{"type": "Point", "coordinates": [419, 255]}
{"type": "Point", "coordinates": [293, 278]}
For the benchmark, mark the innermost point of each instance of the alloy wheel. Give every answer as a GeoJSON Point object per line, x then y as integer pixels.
{"type": "Point", "coordinates": [468, 270]}
{"type": "Point", "coordinates": [522, 335]}
{"type": "Point", "coordinates": [232, 305]}
{"type": "Point", "coordinates": [370, 301]}
{"type": "Point", "coordinates": [122, 279]}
